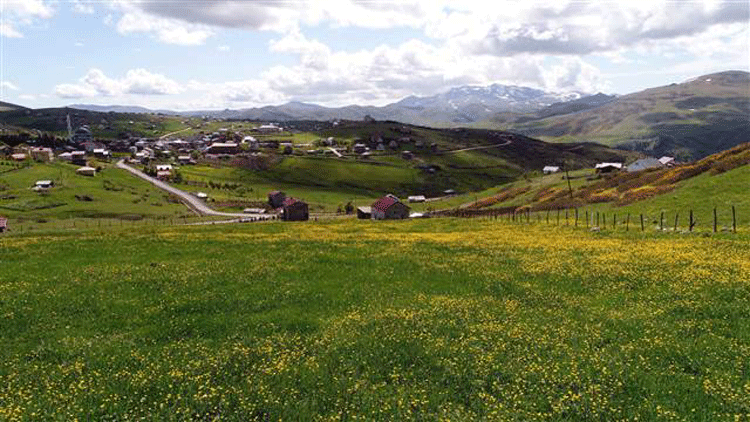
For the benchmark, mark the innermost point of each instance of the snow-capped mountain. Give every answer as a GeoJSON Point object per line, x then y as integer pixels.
{"type": "Point", "coordinates": [460, 105]}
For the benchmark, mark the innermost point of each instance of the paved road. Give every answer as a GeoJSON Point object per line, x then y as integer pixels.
{"type": "Point", "coordinates": [193, 202]}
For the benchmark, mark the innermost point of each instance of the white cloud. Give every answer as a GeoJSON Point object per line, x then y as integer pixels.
{"type": "Point", "coordinates": [136, 81]}
{"type": "Point", "coordinates": [169, 31]}
{"type": "Point", "coordinates": [8, 85]}
{"type": "Point", "coordinates": [20, 13]}
{"type": "Point", "coordinates": [78, 44]}
{"type": "Point", "coordinates": [223, 48]}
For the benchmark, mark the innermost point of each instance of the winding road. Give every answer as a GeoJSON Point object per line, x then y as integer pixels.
{"type": "Point", "coordinates": [193, 202]}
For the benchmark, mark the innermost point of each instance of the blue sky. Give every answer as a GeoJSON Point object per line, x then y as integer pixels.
{"type": "Point", "coordinates": [213, 54]}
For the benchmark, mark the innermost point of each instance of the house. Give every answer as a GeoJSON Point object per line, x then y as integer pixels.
{"type": "Point", "coordinates": [101, 153]}
{"type": "Point", "coordinates": [223, 148]}
{"type": "Point", "coordinates": [3, 224]}
{"type": "Point", "coordinates": [644, 163]}
{"type": "Point", "coordinates": [201, 195]}
{"type": "Point", "coordinates": [294, 210]}
{"type": "Point", "coordinates": [78, 158]}
{"type": "Point", "coordinates": [65, 156]}
{"type": "Point", "coordinates": [185, 159]}
{"type": "Point", "coordinates": [254, 211]}
{"type": "Point", "coordinates": [86, 171]}
{"type": "Point", "coordinates": [82, 135]}
{"type": "Point", "coordinates": [276, 199]}
{"type": "Point", "coordinates": [550, 169]}
{"type": "Point", "coordinates": [417, 198]}
{"type": "Point", "coordinates": [163, 175]}
{"type": "Point", "coordinates": [364, 213]}
{"type": "Point", "coordinates": [18, 157]}
{"type": "Point", "coordinates": [164, 167]}
{"type": "Point", "coordinates": [360, 148]}
{"type": "Point", "coordinates": [407, 155]}
{"type": "Point", "coordinates": [269, 128]}
{"type": "Point", "coordinates": [608, 167]}
{"type": "Point", "coordinates": [41, 154]}
{"type": "Point", "coordinates": [393, 145]}
{"type": "Point", "coordinates": [667, 161]}
{"type": "Point", "coordinates": [44, 184]}
{"type": "Point", "coordinates": [389, 207]}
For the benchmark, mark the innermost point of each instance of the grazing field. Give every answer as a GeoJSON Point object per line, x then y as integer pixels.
{"type": "Point", "coordinates": [440, 319]}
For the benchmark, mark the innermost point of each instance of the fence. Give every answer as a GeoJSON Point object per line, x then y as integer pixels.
{"type": "Point", "coordinates": [599, 220]}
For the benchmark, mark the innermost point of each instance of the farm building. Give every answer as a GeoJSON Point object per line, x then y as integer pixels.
{"type": "Point", "coordinates": [219, 148]}
{"type": "Point", "coordinates": [294, 210]}
{"type": "Point", "coordinates": [417, 198]}
{"type": "Point", "coordinates": [608, 167]}
{"type": "Point", "coordinates": [78, 158]}
{"type": "Point", "coordinates": [3, 224]}
{"type": "Point", "coordinates": [550, 169]}
{"type": "Point", "coordinates": [163, 167]}
{"type": "Point", "coordinates": [163, 175]}
{"type": "Point", "coordinates": [389, 207]}
{"type": "Point", "coordinates": [18, 157]}
{"type": "Point", "coordinates": [644, 163]}
{"type": "Point", "coordinates": [364, 213]}
{"type": "Point", "coordinates": [276, 198]}
{"type": "Point", "coordinates": [44, 155]}
{"type": "Point", "coordinates": [44, 184]}
{"type": "Point", "coordinates": [407, 155]}
{"type": "Point", "coordinates": [86, 171]}
{"type": "Point", "coordinates": [667, 161]}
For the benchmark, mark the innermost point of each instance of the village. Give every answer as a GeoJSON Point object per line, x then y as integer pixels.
{"type": "Point", "coordinates": [251, 146]}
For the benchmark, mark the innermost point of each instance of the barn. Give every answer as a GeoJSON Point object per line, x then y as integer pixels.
{"type": "Point", "coordinates": [294, 210]}
{"type": "Point", "coordinates": [389, 207]}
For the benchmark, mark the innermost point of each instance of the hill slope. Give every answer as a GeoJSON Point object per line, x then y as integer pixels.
{"type": "Point", "coordinates": [690, 120]}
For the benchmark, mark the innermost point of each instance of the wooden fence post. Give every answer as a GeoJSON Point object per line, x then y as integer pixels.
{"type": "Point", "coordinates": [627, 223]}
{"type": "Point", "coordinates": [558, 217]}
{"type": "Point", "coordinates": [692, 222]}
{"type": "Point", "coordinates": [614, 221]}
{"type": "Point", "coordinates": [734, 221]}
{"type": "Point", "coordinates": [576, 210]}
{"type": "Point", "coordinates": [566, 216]}
{"type": "Point", "coordinates": [676, 216]}
{"type": "Point", "coordinates": [547, 215]}
{"type": "Point", "coordinates": [661, 221]}
{"type": "Point", "coordinates": [587, 219]}
{"type": "Point", "coordinates": [604, 220]}
{"type": "Point", "coordinates": [715, 220]}
{"type": "Point", "coordinates": [642, 226]}
{"type": "Point", "coordinates": [597, 219]}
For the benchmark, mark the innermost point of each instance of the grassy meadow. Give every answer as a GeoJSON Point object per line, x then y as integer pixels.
{"type": "Point", "coordinates": [438, 319]}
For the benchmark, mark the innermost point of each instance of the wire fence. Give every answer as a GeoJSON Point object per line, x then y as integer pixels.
{"type": "Point", "coordinates": [722, 219]}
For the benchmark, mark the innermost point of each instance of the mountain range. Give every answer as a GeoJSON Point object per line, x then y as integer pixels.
{"type": "Point", "coordinates": [456, 107]}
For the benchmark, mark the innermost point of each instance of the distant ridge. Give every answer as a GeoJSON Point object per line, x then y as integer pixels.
{"type": "Point", "coordinates": [9, 107]}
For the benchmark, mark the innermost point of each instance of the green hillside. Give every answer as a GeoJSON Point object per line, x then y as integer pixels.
{"type": "Point", "coordinates": [689, 120]}
{"type": "Point", "coordinates": [719, 181]}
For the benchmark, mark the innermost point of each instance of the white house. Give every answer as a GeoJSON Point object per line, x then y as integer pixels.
{"type": "Point", "coordinates": [550, 169]}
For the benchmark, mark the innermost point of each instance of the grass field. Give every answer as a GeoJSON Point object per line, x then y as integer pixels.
{"type": "Point", "coordinates": [112, 193]}
{"type": "Point", "coordinates": [440, 319]}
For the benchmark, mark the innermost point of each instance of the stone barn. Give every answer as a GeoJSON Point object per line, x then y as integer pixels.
{"type": "Point", "coordinates": [294, 210]}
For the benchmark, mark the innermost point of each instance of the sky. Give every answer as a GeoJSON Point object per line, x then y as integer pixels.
{"type": "Point", "coordinates": [217, 54]}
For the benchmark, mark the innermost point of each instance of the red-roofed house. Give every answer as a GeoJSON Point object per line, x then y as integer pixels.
{"type": "Point", "coordinates": [294, 210]}
{"type": "Point", "coordinates": [389, 207]}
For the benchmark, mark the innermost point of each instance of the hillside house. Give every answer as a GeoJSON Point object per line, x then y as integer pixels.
{"type": "Point", "coordinates": [78, 158]}
{"type": "Point", "coordinates": [667, 161]}
{"type": "Point", "coordinates": [364, 213]}
{"type": "Point", "coordinates": [223, 148]}
{"type": "Point", "coordinates": [550, 169]}
{"type": "Point", "coordinates": [41, 154]}
{"type": "Point", "coordinates": [65, 156]}
{"type": "Point", "coordinates": [276, 199]}
{"type": "Point", "coordinates": [643, 164]}
{"type": "Point", "coordinates": [360, 148]}
{"type": "Point", "coordinates": [101, 153]}
{"type": "Point", "coordinates": [389, 207]}
{"type": "Point", "coordinates": [185, 159]}
{"type": "Point", "coordinates": [86, 171]}
{"type": "Point", "coordinates": [44, 184]}
{"type": "Point", "coordinates": [164, 167]}
{"type": "Point", "coordinates": [294, 210]}
{"type": "Point", "coordinates": [407, 155]}
{"type": "Point", "coordinates": [269, 128]}
{"type": "Point", "coordinates": [417, 198]}
{"type": "Point", "coordinates": [608, 167]}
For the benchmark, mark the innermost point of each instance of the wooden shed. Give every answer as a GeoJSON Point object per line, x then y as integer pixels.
{"type": "Point", "coordinates": [294, 210]}
{"type": "Point", "coordinates": [389, 207]}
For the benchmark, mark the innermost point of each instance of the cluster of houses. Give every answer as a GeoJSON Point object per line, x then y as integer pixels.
{"type": "Point", "coordinates": [289, 209]}
{"type": "Point", "coordinates": [638, 165]}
